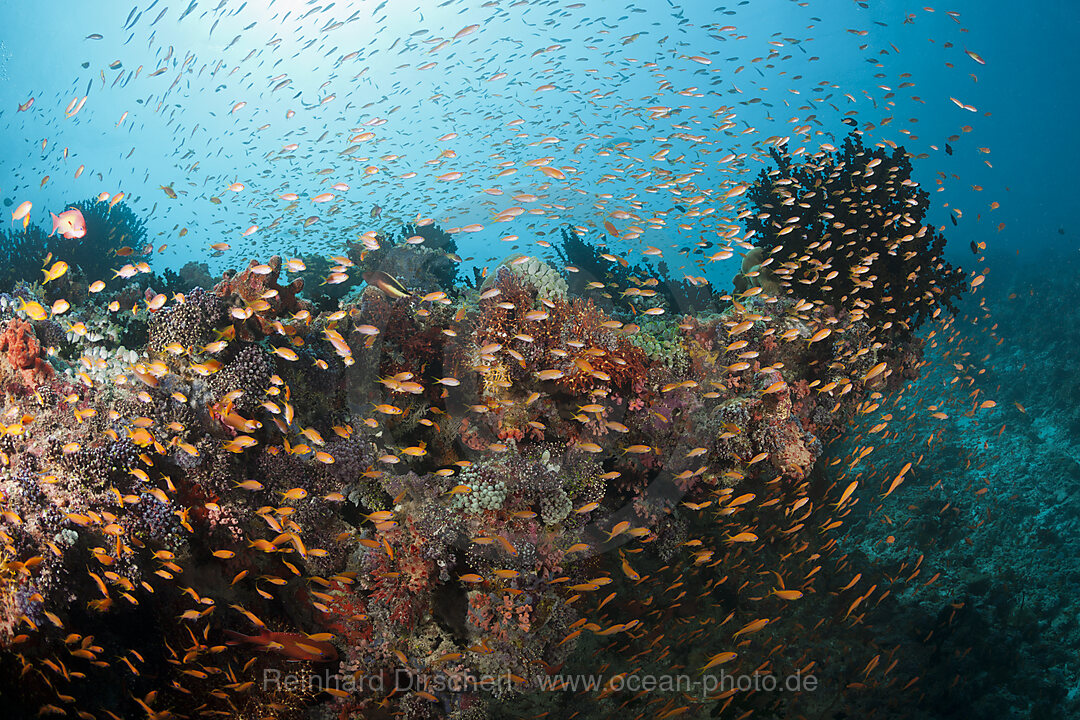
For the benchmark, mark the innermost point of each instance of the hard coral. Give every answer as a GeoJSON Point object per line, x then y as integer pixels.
{"type": "Point", "coordinates": [547, 281]}
{"type": "Point", "coordinates": [24, 352]}
{"type": "Point", "coordinates": [190, 323]}
{"type": "Point", "coordinates": [753, 274]}
{"type": "Point", "coordinates": [249, 371]}
{"type": "Point", "coordinates": [252, 289]}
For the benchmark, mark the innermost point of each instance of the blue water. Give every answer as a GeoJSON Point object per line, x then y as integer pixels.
{"type": "Point", "coordinates": [418, 111]}
{"type": "Point", "coordinates": [1018, 92]}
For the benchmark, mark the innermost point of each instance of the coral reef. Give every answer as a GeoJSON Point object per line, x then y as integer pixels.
{"type": "Point", "coordinates": [464, 483]}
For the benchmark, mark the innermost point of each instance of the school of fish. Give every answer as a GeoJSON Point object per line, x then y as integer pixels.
{"type": "Point", "coordinates": [480, 401]}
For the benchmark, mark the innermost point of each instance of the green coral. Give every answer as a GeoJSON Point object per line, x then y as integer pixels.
{"type": "Point", "coordinates": [485, 495]}
{"type": "Point", "coordinates": [546, 279]}
{"type": "Point", "coordinates": [555, 507]}
{"type": "Point", "coordinates": [367, 494]}
{"type": "Point", "coordinates": [582, 482]}
{"type": "Point", "coordinates": [662, 342]}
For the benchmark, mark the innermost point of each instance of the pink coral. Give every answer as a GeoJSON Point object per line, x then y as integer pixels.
{"type": "Point", "coordinates": [497, 617]}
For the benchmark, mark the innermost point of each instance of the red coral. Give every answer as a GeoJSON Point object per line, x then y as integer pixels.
{"type": "Point", "coordinates": [511, 432]}
{"type": "Point", "coordinates": [703, 333]}
{"type": "Point", "coordinates": [411, 337]}
{"type": "Point", "coordinates": [601, 354]}
{"type": "Point", "coordinates": [24, 352]}
{"type": "Point", "coordinates": [497, 615]}
{"type": "Point", "coordinates": [403, 580]}
{"type": "Point", "coordinates": [622, 364]}
{"type": "Point", "coordinates": [348, 615]}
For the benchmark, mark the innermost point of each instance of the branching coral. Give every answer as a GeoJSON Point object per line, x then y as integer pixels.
{"type": "Point", "coordinates": [22, 253]}
{"type": "Point", "coordinates": [420, 256]}
{"type": "Point", "coordinates": [591, 264]}
{"type": "Point", "coordinates": [113, 231]}
{"type": "Point", "coordinates": [858, 240]}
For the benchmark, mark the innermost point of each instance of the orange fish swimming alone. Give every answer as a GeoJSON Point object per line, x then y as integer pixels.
{"type": "Point", "coordinates": [295, 646]}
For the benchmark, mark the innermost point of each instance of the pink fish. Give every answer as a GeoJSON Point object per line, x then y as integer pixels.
{"type": "Point", "coordinates": [70, 224]}
{"type": "Point", "coordinates": [23, 211]}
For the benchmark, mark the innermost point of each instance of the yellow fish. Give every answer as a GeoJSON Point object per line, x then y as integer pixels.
{"type": "Point", "coordinates": [33, 309]}
{"type": "Point", "coordinates": [57, 270]}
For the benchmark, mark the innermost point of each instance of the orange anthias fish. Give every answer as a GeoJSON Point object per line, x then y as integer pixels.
{"type": "Point", "coordinates": [295, 646]}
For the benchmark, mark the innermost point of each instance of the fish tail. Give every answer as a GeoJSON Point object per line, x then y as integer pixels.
{"type": "Point", "coordinates": [236, 638]}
